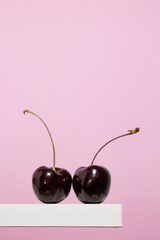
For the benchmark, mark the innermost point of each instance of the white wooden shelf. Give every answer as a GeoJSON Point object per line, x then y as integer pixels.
{"type": "Point", "coordinates": [61, 215]}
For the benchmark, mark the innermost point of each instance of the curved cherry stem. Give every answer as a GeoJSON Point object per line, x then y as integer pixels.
{"type": "Point", "coordinates": [28, 111]}
{"type": "Point", "coordinates": [130, 133]}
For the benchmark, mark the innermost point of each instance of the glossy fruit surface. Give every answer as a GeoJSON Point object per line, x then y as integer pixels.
{"type": "Point", "coordinates": [51, 186]}
{"type": "Point", "coordinates": [91, 184]}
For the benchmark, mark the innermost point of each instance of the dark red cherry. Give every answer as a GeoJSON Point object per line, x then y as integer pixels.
{"type": "Point", "coordinates": [51, 186]}
{"type": "Point", "coordinates": [91, 184]}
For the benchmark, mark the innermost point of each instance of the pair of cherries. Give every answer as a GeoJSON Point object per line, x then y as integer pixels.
{"type": "Point", "coordinates": [91, 184]}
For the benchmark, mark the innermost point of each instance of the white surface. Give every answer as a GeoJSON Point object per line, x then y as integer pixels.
{"type": "Point", "coordinates": [61, 215]}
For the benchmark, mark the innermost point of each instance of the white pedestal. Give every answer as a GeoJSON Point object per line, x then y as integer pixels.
{"type": "Point", "coordinates": [61, 215]}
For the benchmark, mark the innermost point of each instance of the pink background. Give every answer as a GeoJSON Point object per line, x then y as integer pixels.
{"type": "Point", "coordinates": [91, 70]}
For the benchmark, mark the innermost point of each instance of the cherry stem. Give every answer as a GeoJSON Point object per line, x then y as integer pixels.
{"type": "Point", "coordinates": [48, 133]}
{"type": "Point", "coordinates": [130, 133]}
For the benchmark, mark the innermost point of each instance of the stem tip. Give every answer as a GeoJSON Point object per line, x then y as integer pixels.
{"type": "Point", "coordinates": [25, 111]}
{"type": "Point", "coordinates": [134, 131]}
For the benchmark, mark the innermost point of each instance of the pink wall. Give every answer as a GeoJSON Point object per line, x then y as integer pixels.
{"type": "Point", "coordinates": [91, 70]}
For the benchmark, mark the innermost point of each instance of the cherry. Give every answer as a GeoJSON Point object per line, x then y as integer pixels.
{"type": "Point", "coordinates": [92, 184]}
{"type": "Point", "coordinates": [50, 185]}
